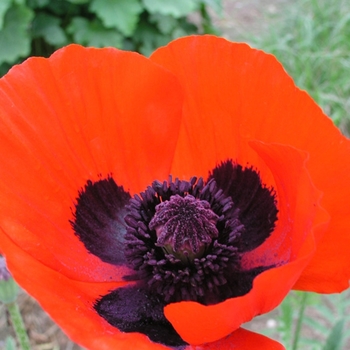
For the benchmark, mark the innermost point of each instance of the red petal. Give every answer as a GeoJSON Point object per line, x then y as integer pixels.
{"type": "Point", "coordinates": [79, 115]}
{"type": "Point", "coordinates": [235, 94]}
{"type": "Point", "coordinates": [70, 303]}
{"type": "Point", "coordinates": [241, 339]}
{"type": "Point", "coordinates": [290, 248]}
{"type": "Point", "coordinates": [81, 323]}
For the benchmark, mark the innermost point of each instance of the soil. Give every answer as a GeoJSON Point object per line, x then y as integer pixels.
{"type": "Point", "coordinates": [239, 18]}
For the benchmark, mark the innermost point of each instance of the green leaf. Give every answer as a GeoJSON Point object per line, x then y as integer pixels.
{"type": "Point", "coordinates": [178, 8]}
{"type": "Point", "coordinates": [4, 6]}
{"type": "Point", "coordinates": [179, 32]}
{"type": "Point", "coordinates": [335, 338]}
{"type": "Point", "coordinates": [48, 27]}
{"type": "Point", "coordinates": [4, 68]}
{"type": "Point", "coordinates": [14, 38]}
{"type": "Point", "coordinates": [148, 38]}
{"type": "Point", "coordinates": [185, 27]}
{"type": "Point", "coordinates": [37, 3]}
{"type": "Point", "coordinates": [216, 5]}
{"type": "Point", "coordinates": [63, 9]}
{"type": "Point", "coordinates": [94, 33]}
{"type": "Point", "coordinates": [165, 23]}
{"type": "Point", "coordinates": [79, 1]}
{"type": "Point", "coordinates": [120, 14]}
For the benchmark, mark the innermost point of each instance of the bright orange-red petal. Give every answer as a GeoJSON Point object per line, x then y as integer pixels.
{"type": "Point", "coordinates": [79, 115]}
{"type": "Point", "coordinates": [235, 94]}
{"type": "Point", "coordinates": [70, 303]}
{"type": "Point", "coordinates": [290, 248]}
{"type": "Point", "coordinates": [82, 324]}
{"type": "Point", "coordinates": [241, 339]}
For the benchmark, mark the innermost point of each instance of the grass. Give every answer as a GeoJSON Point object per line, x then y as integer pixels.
{"type": "Point", "coordinates": [308, 321]}
{"type": "Point", "coordinates": [324, 323]}
{"type": "Point", "coordinates": [311, 38]}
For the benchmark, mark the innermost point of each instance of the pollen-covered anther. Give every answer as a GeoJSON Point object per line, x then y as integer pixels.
{"type": "Point", "coordinates": [185, 227]}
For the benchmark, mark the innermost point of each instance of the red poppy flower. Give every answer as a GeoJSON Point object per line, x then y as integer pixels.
{"type": "Point", "coordinates": [161, 203]}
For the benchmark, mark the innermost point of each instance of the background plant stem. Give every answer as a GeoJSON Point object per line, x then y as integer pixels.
{"type": "Point", "coordinates": [18, 325]}
{"type": "Point", "coordinates": [299, 321]}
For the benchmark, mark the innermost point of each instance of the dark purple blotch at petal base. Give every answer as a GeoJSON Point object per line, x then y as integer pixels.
{"type": "Point", "coordinates": [256, 203]}
{"type": "Point", "coordinates": [135, 309]}
{"type": "Point", "coordinates": [99, 219]}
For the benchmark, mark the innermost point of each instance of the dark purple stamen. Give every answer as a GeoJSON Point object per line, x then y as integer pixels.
{"type": "Point", "coordinates": [185, 226]}
{"type": "Point", "coordinates": [155, 256]}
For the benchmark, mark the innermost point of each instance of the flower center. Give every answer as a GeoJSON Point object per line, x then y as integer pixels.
{"type": "Point", "coordinates": [185, 227]}
{"type": "Point", "coordinates": [182, 241]}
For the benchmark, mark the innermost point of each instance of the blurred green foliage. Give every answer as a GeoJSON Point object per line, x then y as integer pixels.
{"type": "Point", "coordinates": [311, 321]}
{"type": "Point", "coordinates": [39, 27]}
